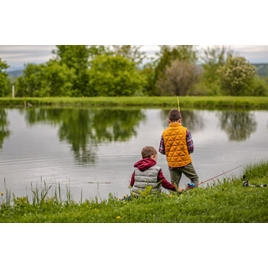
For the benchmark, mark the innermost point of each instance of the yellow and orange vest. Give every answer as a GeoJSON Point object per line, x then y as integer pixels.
{"type": "Point", "coordinates": [176, 149]}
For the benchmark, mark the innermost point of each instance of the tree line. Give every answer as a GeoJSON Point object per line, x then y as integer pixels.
{"type": "Point", "coordinates": [80, 70]}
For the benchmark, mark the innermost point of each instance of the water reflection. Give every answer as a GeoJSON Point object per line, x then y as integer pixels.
{"type": "Point", "coordinates": [4, 132]}
{"type": "Point", "coordinates": [190, 119]}
{"type": "Point", "coordinates": [238, 125]}
{"type": "Point", "coordinates": [75, 146]}
{"type": "Point", "coordinates": [84, 129]}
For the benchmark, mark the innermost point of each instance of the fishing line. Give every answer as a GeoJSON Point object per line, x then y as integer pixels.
{"type": "Point", "coordinates": [191, 186]}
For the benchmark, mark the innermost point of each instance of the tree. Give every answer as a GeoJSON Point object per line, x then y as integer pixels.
{"type": "Point", "coordinates": [58, 79]}
{"type": "Point", "coordinates": [213, 58]}
{"type": "Point", "coordinates": [75, 57]}
{"type": "Point", "coordinates": [148, 72]}
{"type": "Point", "coordinates": [30, 83]}
{"type": "Point", "coordinates": [130, 52]}
{"type": "Point", "coordinates": [45, 80]}
{"type": "Point", "coordinates": [167, 55]}
{"type": "Point", "coordinates": [4, 84]}
{"type": "Point", "coordinates": [237, 77]}
{"type": "Point", "coordinates": [79, 58]}
{"type": "Point", "coordinates": [178, 78]}
{"type": "Point", "coordinates": [113, 76]}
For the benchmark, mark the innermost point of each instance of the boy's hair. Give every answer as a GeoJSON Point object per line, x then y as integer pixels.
{"type": "Point", "coordinates": [174, 115]}
{"type": "Point", "coordinates": [147, 151]}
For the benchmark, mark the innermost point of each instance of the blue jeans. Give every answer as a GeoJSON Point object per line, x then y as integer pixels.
{"type": "Point", "coordinates": [188, 171]}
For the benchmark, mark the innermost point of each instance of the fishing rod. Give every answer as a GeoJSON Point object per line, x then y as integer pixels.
{"type": "Point", "coordinates": [179, 109]}
{"type": "Point", "coordinates": [192, 185]}
{"type": "Point", "coordinates": [246, 184]}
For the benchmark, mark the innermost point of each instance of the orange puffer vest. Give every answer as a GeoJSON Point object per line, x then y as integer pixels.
{"type": "Point", "coordinates": [176, 149]}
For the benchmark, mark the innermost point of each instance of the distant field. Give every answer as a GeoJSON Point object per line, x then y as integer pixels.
{"type": "Point", "coordinates": [184, 101]}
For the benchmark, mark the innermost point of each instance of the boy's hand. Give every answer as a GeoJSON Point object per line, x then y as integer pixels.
{"type": "Point", "coordinates": [180, 190]}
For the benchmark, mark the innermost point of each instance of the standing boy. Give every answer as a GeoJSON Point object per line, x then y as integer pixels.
{"type": "Point", "coordinates": [146, 173]}
{"type": "Point", "coordinates": [177, 144]}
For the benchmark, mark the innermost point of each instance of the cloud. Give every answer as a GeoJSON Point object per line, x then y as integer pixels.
{"type": "Point", "coordinates": [254, 54]}
{"type": "Point", "coordinates": [17, 56]}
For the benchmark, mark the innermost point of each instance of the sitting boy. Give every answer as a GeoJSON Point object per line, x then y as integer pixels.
{"type": "Point", "coordinates": [146, 173]}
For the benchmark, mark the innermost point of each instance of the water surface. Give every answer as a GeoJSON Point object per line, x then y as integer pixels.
{"type": "Point", "coordinates": [92, 151]}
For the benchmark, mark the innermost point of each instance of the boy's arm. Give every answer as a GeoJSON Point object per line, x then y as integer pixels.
{"type": "Point", "coordinates": [132, 180]}
{"type": "Point", "coordinates": [162, 146]}
{"type": "Point", "coordinates": [190, 142]}
{"type": "Point", "coordinates": [164, 182]}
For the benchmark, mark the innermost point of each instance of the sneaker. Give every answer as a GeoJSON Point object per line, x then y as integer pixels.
{"type": "Point", "coordinates": [190, 185]}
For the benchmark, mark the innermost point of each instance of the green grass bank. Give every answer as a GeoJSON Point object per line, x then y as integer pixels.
{"type": "Point", "coordinates": [186, 102]}
{"type": "Point", "coordinates": [222, 201]}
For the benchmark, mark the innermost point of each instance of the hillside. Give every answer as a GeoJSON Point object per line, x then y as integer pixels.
{"type": "Point", "coordinates": [262, 70]}
{"type": "Point", "coordinates": [15, 73]}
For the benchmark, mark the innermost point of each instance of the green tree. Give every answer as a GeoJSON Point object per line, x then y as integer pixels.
{"type": "Point", "coordinates": [30, 83]}
{"type": "Point", "coordinates": [130, 52]}
{"type": "Point", "coordinates": [260, 86]}
{"type": "Point", "coordinates": [75, 57]}
{"type": "Point", "coordinates": [58, 79]}
{"type": "Point", "coordinates": [114, 76]}
{"type": "Point", "coordinates": [79, 58]}
{"type": "Point", "coordinates": [4, 84]}
{"type": "Point", "coordinates": [237, 77]}
{"type": "Point", "coordinates": [95, 51]}
{"type": "Point", "coordinates": [213, 58]}
{"type": "Point", "coordinates": [148, 72]}
{"type": "Point", "coordinates": [45, 80]}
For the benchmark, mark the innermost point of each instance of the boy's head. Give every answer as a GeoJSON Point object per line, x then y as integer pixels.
{"type": "Point", "coordinates": [148, 152]}
{"type": "Point", "coordinates": [174, 115]}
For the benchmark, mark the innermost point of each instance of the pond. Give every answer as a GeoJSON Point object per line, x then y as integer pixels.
{"type": "Point", "coordinates": [91, 152]}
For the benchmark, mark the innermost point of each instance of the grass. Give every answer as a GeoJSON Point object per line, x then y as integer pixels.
{"type": "Point", "coordinates": [225, 201]}
{"type": "Point", "coordinates": [201, 102]}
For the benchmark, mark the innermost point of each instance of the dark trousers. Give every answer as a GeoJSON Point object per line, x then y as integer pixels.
{"type": "Point", "coordinates": [188, 171]}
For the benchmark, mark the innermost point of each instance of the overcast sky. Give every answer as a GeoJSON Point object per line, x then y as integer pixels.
{"type": "Point", "coordinates": [18, 55]}
{"type": "Point", "coordinates": [28, 36]}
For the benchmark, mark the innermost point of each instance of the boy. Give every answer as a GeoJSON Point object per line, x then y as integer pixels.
{"type": "Point", "coordinates": [146, 173]}
{"type": "Point", "coordinates": [177, 144]}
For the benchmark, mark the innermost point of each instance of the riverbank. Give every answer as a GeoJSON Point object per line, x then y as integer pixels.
{"type": "Point", "coordinates": [225, 201]}
{"type": "Point", "coordinates": [188, 102]}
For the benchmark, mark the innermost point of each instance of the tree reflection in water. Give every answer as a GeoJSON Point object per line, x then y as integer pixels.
{"type": "Point", "coordinates": [190, 119]}
{"type": "Point", "coordinates": [4, 132]}
{"type": "Point", "coordinates": [237, 124]}
{"type": "Point", "coordinates": [84, 129]}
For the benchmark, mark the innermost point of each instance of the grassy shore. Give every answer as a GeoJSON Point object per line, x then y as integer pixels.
{"type": "Point", "coordinates": [185, 102]}
{"type": "Point", "coordinates": [224, 201]}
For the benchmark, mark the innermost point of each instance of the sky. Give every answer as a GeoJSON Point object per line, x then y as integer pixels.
{"type": "Point", "coordinates": [29, 35]}
{"type": "Point", "coordinates": [18, 55]}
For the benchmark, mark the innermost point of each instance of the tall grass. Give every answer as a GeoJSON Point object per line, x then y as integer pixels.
{"type": "Point", "coordinates": [221, 201]}
{"type": "Point", "coordinates": [200, 102]}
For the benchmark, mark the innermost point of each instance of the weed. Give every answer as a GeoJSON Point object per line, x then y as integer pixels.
{"type": "Point", "coordinates": [222, 201]}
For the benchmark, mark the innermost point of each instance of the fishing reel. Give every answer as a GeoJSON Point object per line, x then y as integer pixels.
{"type": "Point", "coordinates": [246, 184]}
